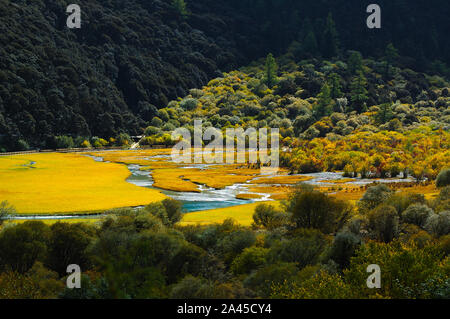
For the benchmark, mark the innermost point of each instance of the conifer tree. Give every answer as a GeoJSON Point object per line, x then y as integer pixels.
{"type": "Point", "coordinates": [359, 92]}
{"type": "Point", "coordinates": [180, 6]}
{"type": "Point", "coordinates": [355, 62]}
{"type": "Point", "coordinates": [384, 113]}
{"type": "Point", "coordinates": [323, 107]}
{"type": "Point", "coordinates": [391, 56]}
{"type": "Point", "coordinates": [335, 86]}
{"type": "Point", "coordinates": [330, 39]}
{"type": "Point", "coordinates": [270, 77]}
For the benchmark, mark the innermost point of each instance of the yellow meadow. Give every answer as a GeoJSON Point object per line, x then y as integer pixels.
{"type": "Point", "coordinates": [63, 183]}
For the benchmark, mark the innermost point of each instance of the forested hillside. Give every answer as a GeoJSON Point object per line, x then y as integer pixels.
{"type": "Point", "coordinates": [131, 58]}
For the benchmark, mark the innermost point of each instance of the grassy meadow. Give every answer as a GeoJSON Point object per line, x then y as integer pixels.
{"type": "Point", "coordinates": [65, 183]}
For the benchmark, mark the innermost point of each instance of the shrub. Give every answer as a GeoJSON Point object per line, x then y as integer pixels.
{"type": "Point", "coordinates": [313, 209]}
{"type": "Point", "coordinates": [250, 259]}
{"type": "Point", "coordinates": [6, 210]}
{"type": "Point", "coordinates": [123, 139]}
{"type": "Point", "coordinates": [443, 179]}
{"type": "Point", "coordinates": [305, 249]}
{"type": "Point", "coordinates": [268, 216]}
{"type": "Point", "coordinates": [373, 197]}
{"type": "Point", "coordinates": [85, 144]}
{"type": "Point", "coordinates": [417, 214]}
{"type": "Point", "coordinates": [383, 223]}
{"type": "Point", "coordinates": [439, 224]}
{"type": "Point", "coordinates": [344, 247]}
{"type": "Point", "coordinates": [189, 104]}
{"type": "Point", "coordinates": [262, 280]}
{"type": "Point", "coordinates": [152, 130]}
{"type": "Point", "coordinates": [64, 141]}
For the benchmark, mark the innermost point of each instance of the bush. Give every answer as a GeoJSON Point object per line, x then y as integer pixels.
{"type": "Point", "coordinates": [373, 197]}
{"type": "Point", "coordinates": [443, 179]}
{"type": "Point", "coordinates": [152, 130]}
{"type": "Point", "coordinates": [64, 141]}
{"type": "Point", "coordinates": [123, 139]}
{"type": "Point", "coordinates": [189, 104]}
{"type": "Point", "coordinates": [344, 247]}
{"type": "Point", "coordinates": [439, 224]}
{"type": "Point", "coordinates": [268, 216]}
{"type": "Point", "coordinates": [313, 209]}
{"type": "Point", "coordinates": [305, 249]}
{"type": "Point", "coordinates": [250, 259]}
{"type": "Point", "coordinates": [417, 214]}
{"type": "Point", "coordinates": [383, 223]}
{"type": "Point", "coordinates": [401, 201]}
{"type": "Point", "coordinates": [6, 210]}
{"type": "Point", "coordinates": [262, 280]}
{"type": "Point", "coordinates": [22, 145]}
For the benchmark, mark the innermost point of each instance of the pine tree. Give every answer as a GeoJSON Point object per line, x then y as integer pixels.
{"type": "Point", "coordinates": [323, 107]}
{"type": "Point", "coordinates": [308, 39]}
{"type": "Point", "coordinates": [335, 86]}
{"type": "Point", "coordinates": [358, 92]}
{"type": "Point", "coordinates": [180, 6]}
{"type": "Point", "coordinates": [392, 55]}
{"type": "Point", "coordinates": [270, 77]}
{"type": "Point", "coordinates": [384, 113]}
{"type": "Point", "coordinates": [355, 62]}
{"type": "Point", "coordinates": [330, 39]}
{"type": "Point", "coordinates": [310, 45]}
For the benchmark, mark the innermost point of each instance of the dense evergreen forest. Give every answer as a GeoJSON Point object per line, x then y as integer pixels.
{"type": "Point", "coordinates": [130, 58]}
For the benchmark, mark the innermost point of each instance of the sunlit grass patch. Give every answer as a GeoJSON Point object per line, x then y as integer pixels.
{"type": "Point", "coordinates": [287, 179]}
{"type": "Point", "coordinates": [171, 179]}
{"type": "Point", "coordinates": [62, 183]}
{"type": "Point", "coordinates": [248, 196]}
{"type": "Point", "coordinates": [243, 214]}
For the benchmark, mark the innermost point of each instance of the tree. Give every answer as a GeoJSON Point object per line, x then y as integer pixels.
{"type": "Point", "coordinates": [250, 259]}
{"type": "Point", "coordinates": [383, 223]}
{"type": "Point", "coordinates": [268, 216]}
{"type": "Point", "coordinates": [355, 62]}
{"type": "Point", "coordinates": [335, 86]}
{"type": "Point", "coordinates": [270, 77]}
{"type": "Point", "coordinates": [180, 7]}
{"type": "Point", "coordinates": [313, 209]}
{"type": "Point", "coordinates": [173, 210]}
{"type": "Point", "coordinates": [384, 114]}
{"type": "Point", "coordinates": [373, 197]}
{"type": "Point", "coordinates": [417, 214]}
{"type": "Point", "coordinates": [22, 245]}
{"type": "Point", "coordinates": [323, 107]}
{"type": "Point", "coordinates": [406, 272]}
{"type": "Point", "coordinates": [310, 45]}
{"type": "Point", "coordinates": [262, 280]}
{"type": "Point", "coordinates": [6, 210]}
{"type": "Point", "coordinates": [391, 56]}
{"type": "Point", "coordinates": [305, 248]}
{"type": "Point", "coordinates": [358, 92]}
{"type": "Point", "coordinates": [439, 224]}
{"type": "Point", "coordinates": [344, 247]}
{"type": "Point", "coordinates": [330, 38]}
{"type": "Point", "coordinates": [67, 245]}
{"type": "Point", "coordinates": [443, 179]}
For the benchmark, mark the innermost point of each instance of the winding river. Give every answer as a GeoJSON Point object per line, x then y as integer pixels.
{"type": "Point", "coordinates": [210, 198]}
